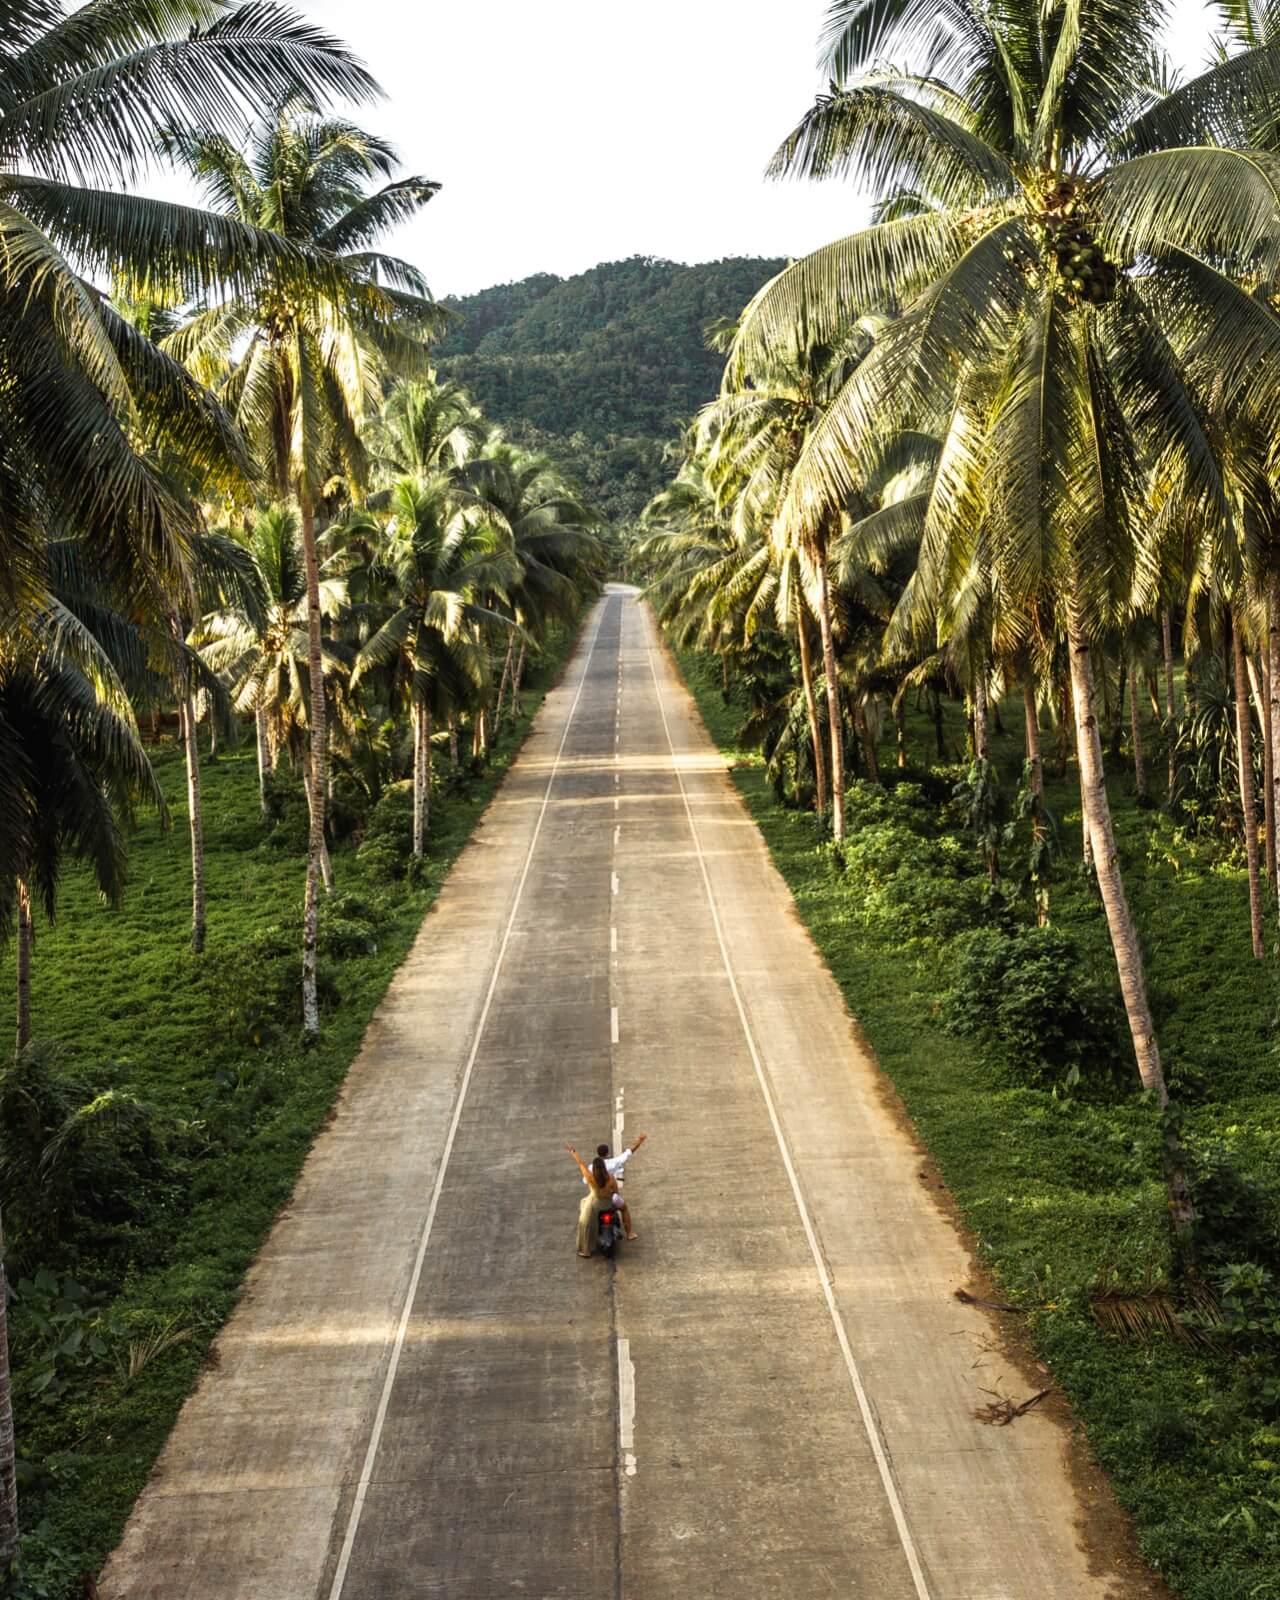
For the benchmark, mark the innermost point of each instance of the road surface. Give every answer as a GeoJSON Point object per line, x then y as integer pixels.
{"type": "Point", "coordinates": [424, 1392]}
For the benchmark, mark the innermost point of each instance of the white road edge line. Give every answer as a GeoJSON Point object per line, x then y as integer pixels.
{"type": "Point", "coordinates": [627, 1406]}
{"type": "Point", "coordinates": [380, 1417]}
{"type": "Point", "coordinates": [855, 1376]}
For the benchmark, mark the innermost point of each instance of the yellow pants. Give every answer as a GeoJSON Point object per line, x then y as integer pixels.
{"type": "Point", "coordinates": [591, 1204]}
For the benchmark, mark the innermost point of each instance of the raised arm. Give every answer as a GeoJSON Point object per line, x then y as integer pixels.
{"type": "Point", "coordinates": [582, 1166]}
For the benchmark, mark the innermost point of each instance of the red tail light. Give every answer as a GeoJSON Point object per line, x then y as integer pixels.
{"type": "Point", "coordinates": [606, 1216]}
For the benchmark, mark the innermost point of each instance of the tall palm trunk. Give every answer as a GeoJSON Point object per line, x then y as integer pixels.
{"type": "Point", "coordinates": [830, 670]}
{"type": "Point", "coordinates": [1248, 804]}
{"type": "Point", "coordinates": [1064, 727]}
{"type": "Point", "coordinates": [1135, 734]}
{"type": "Point", "coordinates": [1035, 782]}
{"type": "Point", "coordinates": [264, 754]}
{"type": "Point", "coordinates": [453, 740]}
{"type": "Point", "coordinates": [518, 679]}
{"type": "Point", "coordinates": [508, 671]}
{"type": "Point", "coordinates": [1273, 708]}
{"type": "Point", "coordinates": [811, 709]}
{"type": "Point", "coordinates": [195, 808]}
{"type": "Point", "coordinates": [1035, 761]}
{"type": "Point", "coordinates": [316, 774]}
{"type": "Point", "coordinates": [939, 730]}
{"type": "Point", "coordinates": [8, 1451]}
{"type": "Point", "coordinates": [900, 728]}
{"type": "Point", "coordinates": [421, 773]}
{"type": "Point", "coordinates": [25, 944]}
{"type": "Point", "coordinates": [1124, 935]}
{"type": "Point", "coordinates": [863, 724]}
{"type": "Point", "coordinates": [981, 718]}
{"type": "Point", "coordinates": [1166, 637]}
{"type": "Point", "coordinates": [1261, 685]}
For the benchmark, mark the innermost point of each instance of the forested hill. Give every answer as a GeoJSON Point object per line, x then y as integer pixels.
{"type": "Point", "coordinates": [600, 370]}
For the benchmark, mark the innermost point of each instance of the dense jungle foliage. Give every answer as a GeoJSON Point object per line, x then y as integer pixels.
{"type": "Point", "coordinates": [603, 369]}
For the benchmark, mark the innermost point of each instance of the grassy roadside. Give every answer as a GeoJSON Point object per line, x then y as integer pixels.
{"type": "Point", "coordinates": [1057, 1175]}
{"type": "Point", "coordinates": [194, 1108]}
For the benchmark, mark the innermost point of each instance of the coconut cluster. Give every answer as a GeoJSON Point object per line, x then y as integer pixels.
{"type": "Point", "coordinates": [1086, 274]}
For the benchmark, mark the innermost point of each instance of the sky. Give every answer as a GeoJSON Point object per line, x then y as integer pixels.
{"type": "Point", "coordinates": [568, 132]}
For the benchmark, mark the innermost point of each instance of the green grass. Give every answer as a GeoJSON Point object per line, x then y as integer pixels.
{"type": "Point", "coordinates": [132, 1008]}
{"type": "Point", "coordinates": [1061, 1189]}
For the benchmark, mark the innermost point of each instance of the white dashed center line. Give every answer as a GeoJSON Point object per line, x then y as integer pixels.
{"type": "Point", "coordinates": [627, 1407]}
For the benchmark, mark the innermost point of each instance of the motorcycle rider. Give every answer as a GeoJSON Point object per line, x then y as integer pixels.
{"type": "Point", "coordinates": [614, 1166]}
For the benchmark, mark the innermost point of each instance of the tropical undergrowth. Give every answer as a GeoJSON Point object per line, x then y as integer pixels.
{"type": "Point", "coordinates": [1008, 1046]}
{"type": "Point", "coordinates": [152, 1132]}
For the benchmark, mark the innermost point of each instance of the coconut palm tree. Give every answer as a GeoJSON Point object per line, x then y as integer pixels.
{"type": "Point", "coordinates": [442, 558]}
{"type": "Point", "coordinates": [551, 533]}
{"type": "Point", "coordinates": [424, 426]}
{"type": "Point", "coordinates": [300, 371]}
{"type": "Point", "coordinates": [1050, 164]}
{"type": "Point", "coordinates": [84, 93]}
{"type": "Point", "coordinates": [260, 648]}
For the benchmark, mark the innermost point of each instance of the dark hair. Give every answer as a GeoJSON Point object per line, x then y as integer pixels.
{"type": "Point", "coordinates": [602, 1150]}
{"type": "Point", "coordinates": [600, 1173]}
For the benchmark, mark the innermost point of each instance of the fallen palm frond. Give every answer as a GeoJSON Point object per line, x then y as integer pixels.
{"type": "Point", "coordinates": [1154, 1310]}
{"type": "Point", "coordinates": [1000, 1411]}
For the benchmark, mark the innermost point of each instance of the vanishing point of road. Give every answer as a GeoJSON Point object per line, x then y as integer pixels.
{"type": "Point", "coordinates": [424, 1393]}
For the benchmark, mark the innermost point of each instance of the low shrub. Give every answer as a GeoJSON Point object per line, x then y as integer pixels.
{"type": "Point", "coordinates": [1027, 992]}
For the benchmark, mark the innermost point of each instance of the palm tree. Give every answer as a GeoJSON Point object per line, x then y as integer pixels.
{"type": "Point", "coordinates": [261, 651]}
{"type": "Point", "coordinates": [424, 426]}
{"type": "Point", "coordinates": [84, 93]}
{"type": "Point", "coordinates": [441, 558]}
{"type": "Point", "coordinates": [527, 503]}
{"type": "Point", "coordinates": [299, 370]}
{"type": "Point", "coordinates": [1048, 162]}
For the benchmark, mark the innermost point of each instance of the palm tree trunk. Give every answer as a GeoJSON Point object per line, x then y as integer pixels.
{"type": "Point", "coordinates": [834, 718]}
{"type": "Point", "coordinates": [1248, 803]}
{"type": "Point", "coordinates": [1124, 935]}
{"type": "Point", "coordinates": [939, 732]}
{"type": "Point", "coordinates": [1166, 636]}
{"type": "Point", "coordinates": [1064, 728]}
{"type": "Point", "coordinates": [426, 769]}
{"type": "Point", "coordinates": [1117, 709]}
{"type": "Point", "coordinates": [1273, 708]}
{"type": "Point", "coordinates": [1261, 684]}
{"type": "Point", "coordinates": [1035, 782]}
{"type": "Point", "coordinates": [264, 754]}
{"type": "Point", "coordinates": [453, 740]}
{"type": "Point", "coordinates": [326, 866]}
{"type": "Point", "coordinates": [316, 774]}
{"type": "Point", "coordinates": [519, 679]}
{"type": "Point", "coordinates": [8, 1451]}
{"type": "Point", "coordinates": [1031, 711]}
{"type": "Point", "coordinates": [811, 708]}
{"type": "Point", "coordinates": [25, 944]}
{"type": "Point", "coordinates": [1135, 734]}
{"type": "Point", "coordinates": [863, 724]}
{"type": "Point", "coordinates": [507, 674]}
{"type": "Point", "coordinates": [981, 718]}
{"type": "Point", "coordinates": [421, 773]}
{"type": "Point", "coordinates": [900, 728]}
{"type": "Point", "coordinates": [191, 751]}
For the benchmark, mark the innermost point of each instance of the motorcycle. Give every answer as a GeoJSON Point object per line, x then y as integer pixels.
{"type": "Point", "coordinates": [609, 1230]}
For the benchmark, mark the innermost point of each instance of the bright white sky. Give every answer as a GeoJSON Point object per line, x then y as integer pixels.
{"type": "Point", "coordinates": [568, 132]}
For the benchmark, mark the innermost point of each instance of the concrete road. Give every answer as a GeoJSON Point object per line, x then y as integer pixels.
{"type": "Point", "coordinates": [425, 1393]}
